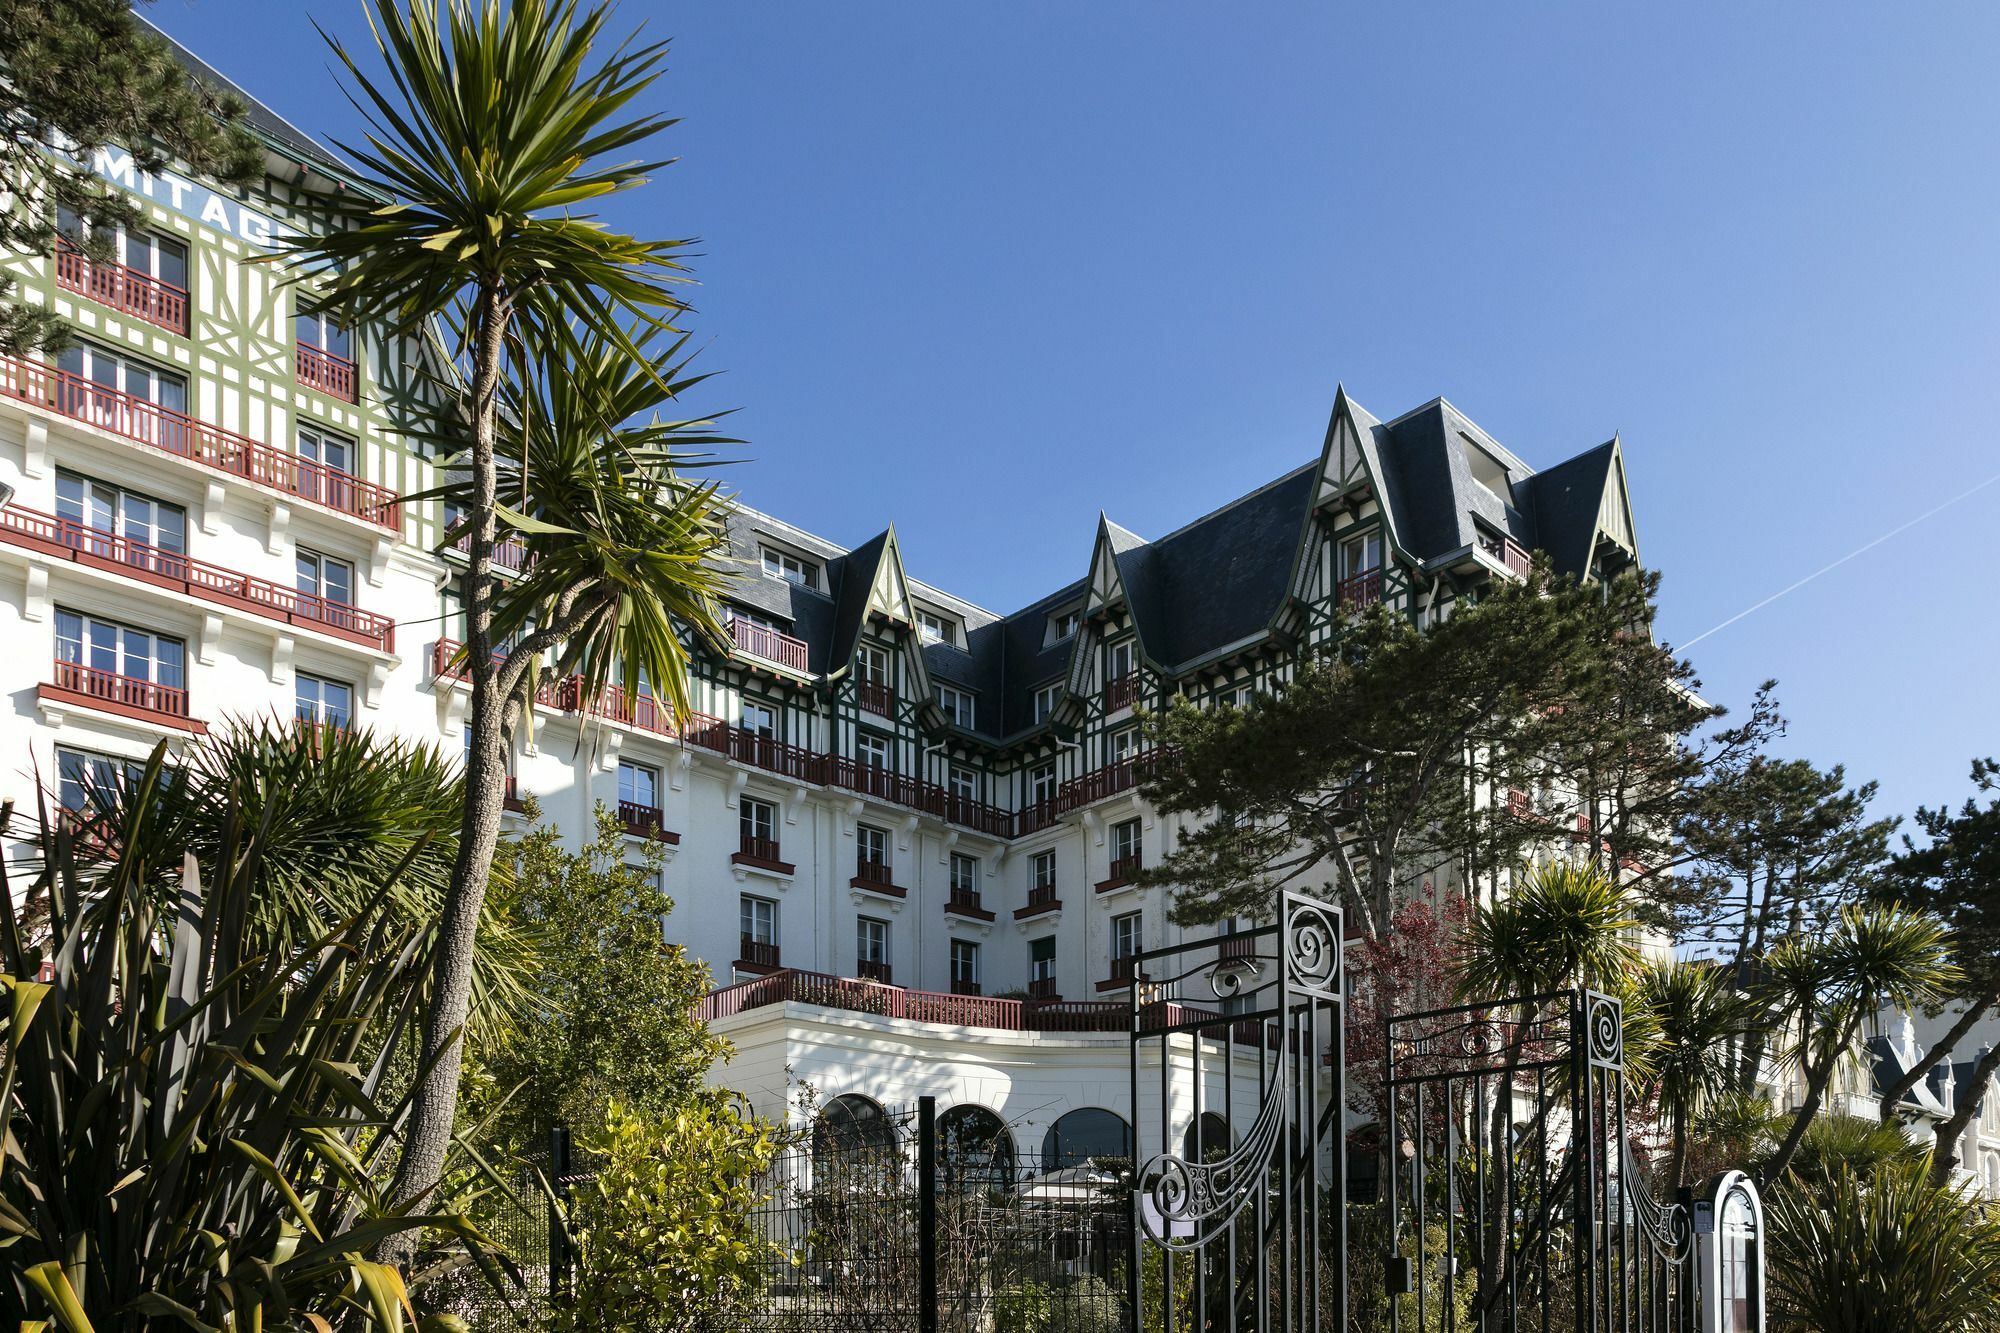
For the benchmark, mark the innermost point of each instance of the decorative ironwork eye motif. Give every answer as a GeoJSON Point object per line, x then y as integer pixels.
{"type": "Point", "coordinates": [1607, 1031]}
{"type": "Point", "coordinates": [1193, 1202]}
{"type": "Point", "coordinates": [1312, 947]}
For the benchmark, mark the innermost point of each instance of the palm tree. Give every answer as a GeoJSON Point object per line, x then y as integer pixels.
{"type": "Point", "coordinates": [1697, 1015]}
{"type": "Point", "coordinates": [1823, 988]}
{"type": "Point", "coordinates": [494, 125]}
{"type": "Point", "coordinates": [1566, 924]}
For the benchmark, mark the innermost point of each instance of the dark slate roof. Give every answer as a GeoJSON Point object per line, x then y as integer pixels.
{"type": "Point", "coordinates": [256, 115]}
{"type": "Point", "coordinates": [1565, 501]}
{"type": "Point", "coordinates": [800, 612]}
{"type": "Point", "coordinates": [851, 578]}
{"type": "Point", "coordinates": [1888, 1067]}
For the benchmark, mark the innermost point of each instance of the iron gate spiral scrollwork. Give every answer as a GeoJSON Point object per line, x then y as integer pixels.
{"type": "Point", "coordinates": [1515, 1199]}
{"type": "Point", "coordinates": [1239, 1039]}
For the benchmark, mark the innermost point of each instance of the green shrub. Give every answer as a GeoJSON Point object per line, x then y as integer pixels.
{"type": "Point", "coordinates": [1087, 1305]}
{"type": "Point", "coordinates": [666, 1234]}
{"type": "Point", "coordinates": [1022, 1308]}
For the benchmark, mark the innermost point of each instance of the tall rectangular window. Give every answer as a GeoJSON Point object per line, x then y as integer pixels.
{"type": "Point", "coordinates": [120, 650]}
{"type": "Point", "coordinates": [323, 701]}
{"type": "Point", "coordinates": [325, 577]}
{"type": "Point", "coordinates": [1045, 871]}
{"type": "Point", "coordinates": [99, 506]}
{"type": "Point", "coordinates": [1360, 555]}
{"type": "Point", "coordinates": [330, 451]}
{"type": "Point", "coordinates": [1042, 959]}
{"type": "Point", "coordinates": [760, 919]}
{"type": "Point", "coordinates": [963, 782]}
{"type": "Point", "coordinates": [1041, 783]}
{"type": "Point", "coordinates": [964, 875]}
{"type": "Point", "coordinates": [871, 845]}
{"type": "Point", "coordinates": [85, 778]}
{"type": "Point", "coordinates": [1046, 699]}
{"type": "Point", "coordinates": [1125, 842]}
{"type": "Point", "coordinates": [871, 666]}
{"type": "Point", "coordinates": [638, 785]}
{"type": "Point", "coordinates": [758, 820]}
{"type": "Point", "coordinates": [757, 719]}
{"type": "Point", "coordinates": [318, 330]}
{"type": "Point", "coordinates": [871, 947]}
{"type": "Point", "coordinates": [965, 967]}
{"type": "Point", "coordinates": [1118, 661]}
{"type": "Point", "coordinates": [957, 705]}
{"type": "Point", "coordinates": [1126, 938]}
{"type": "Point", "coordinates": [872, 750]}
{"type": "Point", "coordinates": [1124, 744]}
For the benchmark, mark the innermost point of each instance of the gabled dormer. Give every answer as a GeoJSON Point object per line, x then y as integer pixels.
{"type": "Point", "coordinates": [876, 644]}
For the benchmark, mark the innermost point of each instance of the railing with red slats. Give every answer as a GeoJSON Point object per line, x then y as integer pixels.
{"type": "Point", "coordinates": [123, 289]}
{"type": "Point", "coordinates": [182, 436]}
{"type": "Point", "coordinates": [323, 370]}
{"type": "Point", "coordinates": [871, 997]}
{"type": "Point", "coordinates": [647, 821]}
{"type": "Point", "coordinates": [877, 699]}
{"type": "Point", "coordinates": [512, 799]}
{"type": "Point", "coordinates": [759, 751]}
{"type": "Point", "coordinates": [1043, 988]}
{"type": "Point", "coordinates": [1041, 898]}
{"type": "Point", "coordinates": [1117, 776]}
{"type": "Point", "coordinates": [869, 969]}
{"type": "Point", "coordinates": [870, 871]}
{"type": "Point", "coordinates": [1508, 552]}
{"type": "Point", "coordinates": [757, 953]}
{"type": "Point", "coordinates": [636, 710]}
{"type": "Point", "coordinates": [124, 691]}
{"type": "Point", "coordinates": [763, 850]}
{"type": "Point", "coordinates": [1122, 692]}
{"type": "Point", "coordinates": [962, 902]}
{"type": "Point", "coordinates": [1363, 589]}
{"type": "Point", "coordinates": [176, 572]}
{"type": "Point", "coordinates": [768, 644]}
{"type": "Point", "coordinates": [1037, 816]}
{"type": "Point", "coordinates": [1123, 870]}
{"type": "Point", "coordinates": [510, 552]}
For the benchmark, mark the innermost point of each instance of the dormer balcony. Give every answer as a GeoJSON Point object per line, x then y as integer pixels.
{"type": "Point", "coordinates": [1359, 590]}
{"type": "Point", "coordinates": [875, 698]}
{"type": "Point", "coordinates": [1122, 692]}
{"type": "Point", "coordinates": [1510, 553]}
{"type": "Point", "coordinates": [331, 374]}
{"type": "Point", "coordinates": [126, 290]}
{"type": "Point", "coordinates": [762, 641]}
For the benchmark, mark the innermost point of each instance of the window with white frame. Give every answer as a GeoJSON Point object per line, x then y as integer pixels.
{"type": "Point", "coordinates": [757, 719]}
{"type": "Point", "coordinates": [871, 749]}
{"type": "Point", "coordinates": [760, 920]}
{"type": "Point", "coordinates": [85, 778]}
{"type": "Point", "coordinates": [1361, 555]}
{"type": "Point", "coordinates": [871, 666]}
{"type": "Point", "coordinates": [1045, 871]}
{"type": "Point", "coordinates": [333, 452]}
{"type": "Point", "coordinates": [963, 782]}
{"type": "Point", "coordinates": [117, 373]}
{"type": "Point", "coordinates": [757, 821]}
{"type": "Point", "coordinates": [934, 627]}
{"type": "Point", "coordinates": [638, 787]}
{"type": "Point", "coordinates": [1041, 783]}
{"type": "Point", "coordinates": [325, 577]}
{"type": "Point", "coordinates": [1063, 624]}
{"type": "Point", "coordinates": [1124, 744]}
{"type": "Point", "coordinates": [319, 329]}
{"type": "Point", "coordinates": [791, 568]}
{"type": "Point", "coordinates": [964, 965]}
{"type": "Point", "coordinates": [871, 941]}
{"type": "Point", "coordinates": [120, 650]}
{"type": "Point", "coordinates": [1126, 936]}
{"type": "Point", "coordinates": [871, 845]}
{"type": "Point", "coordinates": [964, 875]}
{"type": "Point", "coordinates": [957, 705]}
{"type": "Point", "coordinates": [158, 257]}
{"type": "Point", "coordinates": [1046, 699]}
{"type": "Point", "coordinates": [1118, 661]}
{"type": "Point", "coordinates": [327, 702]}
{"type": "Point", "coordinates": [99, 506]}
{"type": "Point", "coordinates": [1042, 959]}
{"type": "Point", "coordinates": [1125, 841]}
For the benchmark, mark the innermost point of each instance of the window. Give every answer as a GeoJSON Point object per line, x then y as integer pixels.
{"type": "Point", "coordinates": [1045, 702]}
{"type": "Point", "coordinates": [935, 628]}
{"type": "Point", "coordinates": [871, 845]}
{"type": "Point", "coordinates": [1124, 744]}
{"type": "Point", "coordinates": [1125, 842]}
{"type": "Point", "coordinates": [760, 920]}
{"type": "Point", "coordinates": [333, 452]}
{"type": "Point", "coordinates": [1118, 661]}
{"type": "Point", "coordinates": [964, 875]}
{"type": "Point", "coordinates": [158, 257]}
{"type": "Point", "coordinates": [1126, 939]}
{"type": "Point", "coordinates": [737, 615]}
{"type": "Point", "coordinates": [319, 700]}
{"type": "Point", "coordinates": [83, 775]}
{"type": "Point", "coordinates": [1062, 625]}
{"type": "Point", "coordinates": [871, 946]}
{"type": "Point", "coordinates": [965, 967]}
{"type": "Point", "coordinates": [324, 577]}
{"type": "Point", "coordinates": [1360, 555]}
{"type": "Point", "coordinates": [872, 750]}
{"type": "Point", "coordinates": [120, 650]}
{"type": "Point", "coordinates": [757, 719]}
{"type": "Point", "coordinates": [871, 666]}
{"type": "Point", "coordinates": [1045, 871]}
{"type": "Point", "coordinates": [957, 705]}
{"type": "Point", "coordinates": [791, 568]}
{"type": "Point", "coordinates": [1041, 783]}
{"type": "Point", "coordinates": [316, 329]}
{"type": "Point", "coordinates": [638, 785]}
{"type": "Point", "coordinates": [758, 820]}
{"type": "Point", "coordinates": [98, 506]}
{"type": "Point", "coordinates": [1042, 959]}
{"type": "Point", "coordinates": [964, 783]}
{"type": "Point", "coordinates": [1487, 470]}
{"type": "Point", "coordinates": [121, 374]}
{"type": "Point", "coordinates": [1235, 696]}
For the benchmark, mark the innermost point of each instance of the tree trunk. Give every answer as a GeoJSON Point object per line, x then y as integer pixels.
{"type": "Point", "coordinates": [1944, 1153]}
{"type": "Point", "coordinates": [434, 1105]}
{"type": "Point", "coordinates": [1816, 1085]}
{"type": "Point", "coordinates": [1945, 1045]}
{"type": "Point", "coordinates": [1494, 1261]}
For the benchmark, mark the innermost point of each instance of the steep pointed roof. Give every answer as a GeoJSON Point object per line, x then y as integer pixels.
{"type": "Point", "coordinates": [1567, 500]}
{"type": "Point", "coordinates": [858, 572]}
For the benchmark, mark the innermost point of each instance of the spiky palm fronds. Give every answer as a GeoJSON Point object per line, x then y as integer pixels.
{"type": "Point", "coordinates": [1565, 924]}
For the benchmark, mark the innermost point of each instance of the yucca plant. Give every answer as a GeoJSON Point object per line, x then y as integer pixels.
{"type": "Point", "coordinates": [1882, 1253]}
{"type": "Point", "coordinates": [1696, 1016]}
{"type": "Point", "coordinates": [195, 1126]}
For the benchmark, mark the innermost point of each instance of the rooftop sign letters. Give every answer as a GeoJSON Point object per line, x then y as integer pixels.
{"type": "Point", "coordinates": [171, 190]}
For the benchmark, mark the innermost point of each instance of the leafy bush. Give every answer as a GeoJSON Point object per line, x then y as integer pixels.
{"type": "Point", "coordinates": [195, 1122]}
{"type": "Point", "coordinates": [1858, 1254]}
{"type": "Point", "coordinates": [1022, 1308]}
{"type": "Point", "coordinates": [1087, 1305]}
{"type": "Point", "coordinates": [666, 1234]}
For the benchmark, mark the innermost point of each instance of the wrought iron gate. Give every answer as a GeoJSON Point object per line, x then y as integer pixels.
{"type": "Point", "coordinates": [1515, 1198]}
{"type": "Point", "coordinates": [1238, 1199]}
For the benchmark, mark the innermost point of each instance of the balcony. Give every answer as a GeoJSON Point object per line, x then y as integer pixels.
{"type": "Point", "coordinates": [755, 955]}
{"type": "Point", "coordinates": [69, 540]}
{"type": "Point", "coordinates": [760, 854]}
{"type": "Point", "coordinates": [966, 903]}
{"type": "Point", "coordinates": [513, 801]}
{"type": "Point", "coordinates": [1124, 870]}
{"type": "Point", "coordinates": [645, 821]}
{"type": "Point", "coordinates": [1120, 775]}
{"type": "Point", "coordinates": [875, 698]}
{"type": "Point", "coordinates": [639, 710]}
{"type": "Point", "coordinates": [124, 696]}
{"type": "Point", "coordinates": [1241, 946]}
{"type": "Point", "coordinates": [1359, 590]}
{"type": "Point", "coordinates": [1042, 898]}
{"type": "Point", "coordinates": [769, 644]}
{"type": "Point", "coordinates": [320, 369]}
{"type": "Point", "coordinates": [1043, 988]}
{"type": "Point", "coordinates": [126, 290]}
{"type": "Point", "coordinates": [875, 877]}
{"type": "Point", "coordinates": [1122, 692]}
{"type": "Point", "coordinates": [1044, 1013]}
{"type": "Point", "coordinates": [1510, 553]}
{"type": "Point", "coordinates": [509, 553]}
{"type": "Point", "coordinates": [870, 969]}
{"type": "Point", "coordinates": [965, 988]}
{"type": "Point", "coordinates": [1121, 974]}
{"type": "Point", "coordinates": [178, 434]}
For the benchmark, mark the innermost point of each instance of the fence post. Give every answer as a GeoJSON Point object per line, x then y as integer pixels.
{"type": "Point", "coordinates": [559, 1255]}
{"type": "Point", "coordinates": [927, 1238]}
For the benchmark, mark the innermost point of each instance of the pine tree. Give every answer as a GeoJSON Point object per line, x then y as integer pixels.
{"type": "Point", "coordinates": [78, 75]}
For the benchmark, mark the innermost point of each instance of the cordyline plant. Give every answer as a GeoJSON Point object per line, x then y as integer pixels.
{"type": "Point", "coordinates": [495, 128]}
{"type": "Point", "coordinates": [194, 1129]}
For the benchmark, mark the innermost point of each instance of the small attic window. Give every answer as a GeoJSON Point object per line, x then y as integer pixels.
{"type": "Point", "coordinates": [1063, 624]}
{"type": "Point", "coordinates": [937, 627]}
{"type": "Point", "coordinates": [791, 568]}
{"type": "Point", "coordinates": [1488, 471]}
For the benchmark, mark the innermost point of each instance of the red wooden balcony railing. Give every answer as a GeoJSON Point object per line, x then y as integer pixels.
{"type": "Point", "coordinates": [758, 953]}
{"type": "Point", "coordinates": [1118, 776]}
{"type": "Point", "coordinates": [966, 902]}
{"type": "Point", "coordinates": [512, 800]}
{"type": "Point", "coordinates": [510, 552]}
{"type": "Point", "coordinates": [1508, 552]}
{"type": "Point", "coordinates": [1122, 692]}
{"type": "Point", "coordinates": [1123, 870]}
{"type": "Point", "coordinates": [179, 434]}
{"type": "Point", "coordinates": [1363, 589]}
{"type": "Point", "coordinates": [965, 988]}
{"type": "Point", "coordinates": [872, 874]}
{"type": "Point", "coordinates": [1121, 973]}
{"type": "Point", "coordinates": [330, 374]}
{"type": "Point", "coordinates": [1240, 945]}
{"type": "Point", "coordinates": [1037, 816]}
{"type": "Point", "coordinates": [1041, 898]}
{"type": "Point", "coordinates": [645, 821]}
{"type": "Point", "coordinates": [759, 751]}
{"type": "Point", "coordinates": [1043, 988]}
{"type": "Point", "coordinates": [634, 710]}
{"type": "Point", "coordinates": [761, 852]}
{"type": "Point", "coordinates": [69, 540]}
{"type": "Point", "coordinates": [768, 644]}
{"type": "Point", "coordinates": [127, 290]}
{"type": "Point", "coordinates": [877, 699]}
{"type": "Point", "coordinates": [869, 969]}
{"type": "Point", "coordinates": [128, 696]}
{"type": "Point", "coordinates": [1046, 1013]}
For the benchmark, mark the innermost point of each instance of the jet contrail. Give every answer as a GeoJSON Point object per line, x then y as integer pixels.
{"type": "Point", "coordinates": [1829, 568]}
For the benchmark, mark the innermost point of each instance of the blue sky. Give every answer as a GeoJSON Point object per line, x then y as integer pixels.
{"type": "Point", "coordinates": [984, 269]}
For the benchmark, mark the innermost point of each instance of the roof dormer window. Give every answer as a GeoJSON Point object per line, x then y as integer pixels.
{"type": "Point", "coordinates": [936, 627]}
{"type": "Point", "coordinates": [791, 568]}
{"type": "Point", "coordinates": [1488, 471]}
{"type": "Point", "coordinates": [1064, 624]}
